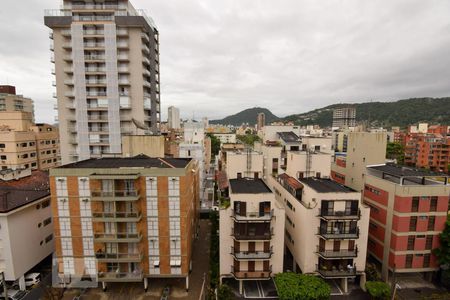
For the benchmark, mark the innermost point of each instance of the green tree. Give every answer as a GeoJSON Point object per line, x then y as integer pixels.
{"type": "Point", "coordinates": [224, 292]}
{"type": "Point", "coordinates": [372, 272]}
{"type": "Point", "coordinates": [248, 139]}
{"type": "Point", "coordinates": [378, 290]}
{"type": "Point", "coordinates": [293, 286]}
{"type": "Point", "coordinates": [215, 144]}
{"type": "Point", "coordinates": [443, 252]}
{"type": "Point", "coordinates": [395, 151]}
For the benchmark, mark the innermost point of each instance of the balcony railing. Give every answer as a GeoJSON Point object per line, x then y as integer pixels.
{"type": "Point", "coordinates": [118, 257]}
{"type": "Point", "coordinates": [120, 276]}
{"type": "Point", "coordinates": [252, 255]}
{"type": "Point", "coordinates": [250, 236]}
{"type": "Point", "coordinates": [254, 274]}
{"type": "Point", "coordinates": [340, 214]}
{"type": "Point", "coordinates": [253, 216]}
{"type": "Point", "coordinates": [93, 18]}
{"type": "Point", "coordinates": [94, 45]}
{"type": "Point", "coordinates": [117, 216]}
{"type": "Point", "coordinates": [338, 234]}
{"type": "Point", "coordinates": [93, 32]}
{"type": "Point", "coordinates": [97, 118]}
{"type": "Point", "coordinates": [336, 272]}
{"type": "Point", "coordinates": [95, 6]}
{"type": "Point", "coordinates": [339, 254]}
{"type": "Point", "coordinates": [118, 195]}
{"type": "Point", "coordinates": [94, 57]}
{"type": "Point", "coordinates": [125, 237]}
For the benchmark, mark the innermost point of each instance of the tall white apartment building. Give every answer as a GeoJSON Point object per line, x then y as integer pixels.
{"type": "Point", "coordinates": [173, 118]}
{"type": "Point", "coordinates": [106, 64]}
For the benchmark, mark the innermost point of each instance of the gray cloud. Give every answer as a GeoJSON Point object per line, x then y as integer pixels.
{"type": "Point", "coordinates": [218, 57]}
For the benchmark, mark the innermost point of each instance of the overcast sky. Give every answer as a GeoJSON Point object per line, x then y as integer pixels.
{"type": "Point", "coordinates": [219, 57]}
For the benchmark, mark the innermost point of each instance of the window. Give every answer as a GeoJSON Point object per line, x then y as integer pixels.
{"type": "Point", "coordinates": [431, 221]}
{"type": "Point", "coordinates": [3, 157]}
{"type": "Point", "coordinates": [411, 240]}
{"type": "Point", "coordinates": [429, 242]}
{"type": "Point", "coordinates": [2, 146]}
{"type": "Point", "coordinates": [289, 205]}
{"type": "Point", "coordinates": [426, 260]}
{"type": "Point", "coordinates": [415, 204]}
{"type": "Point", "coordinates": [45, 203]}
{"type": "Point", "coordinates": [49, 238]}
{"type": "Point", "coordinates": [47, 221]}
{"type": "Point", "coordinates": [408, 260]}
{"type": "Point", "coordinates": [433, 203]}
{"type": "Point", "coordinates": [239, 175]}
{"type": "Point", "coordinates": [372, 190]}
{"type": "Point", "coordinates": [412, 223]}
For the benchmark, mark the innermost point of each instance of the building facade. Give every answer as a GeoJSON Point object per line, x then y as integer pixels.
{"type": "Point", "coordinates": [10, 101]}
{"type": "Point", "coordinates": [428, 150]}
{"type": "Point", "coordinates": [261, 121]}
{"type": "Point", "coordinates": [326, 227]}
{"type": "Point", "coordinates": [125, 219]}
{"type": "Point", "coordinates": [251, 233]}
{"type": "Point", "coordinates": [26, 235]}
{"type": "Point", "coordinates": [408, 211]}
{"type": "Point", "coordinates": [106, 63]}
{"type": "Point", "coordinates": [344, 117]}
{"type": "Point", "coordinates": [173, 118]}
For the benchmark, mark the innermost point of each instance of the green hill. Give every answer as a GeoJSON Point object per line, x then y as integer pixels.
{"type": "Point", "coordinates": [399, 113]}
{"type": "Point", "coordinates": [247, 116]}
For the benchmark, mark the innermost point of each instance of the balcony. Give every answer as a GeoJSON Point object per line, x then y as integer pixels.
{"type": "Point", "coordinates": [94, 106]}
{"type": "Point", "coordinates": [93, 32]}
{"type": "Point", "coordinates": [125, 237]}
{"type": "Point", "coordinates": [120, 277]}
{"type": "Point", "coordinates": [93, 18]}
{"type": "Point", "coordinates": [94, 57]}
{"type": "Point", "coordinates": [122, 45]}
{"type": "Point", "coordinates": [128, 195]}
{"type": "Point", "coordinates": [254, 274]}
{"type": "Point", "coordinates": [99, 142]}
{"type": "Point", "coordinates": [116, 216]}
{"type": "Point", "coordinates": [96, 94]}
{"type": "Point", "coordinates": [336, 272]}
{"type": "Point", "coordinates": [122, 31]}
{"type": "Point", "coordinates": [95, 70]}
{"type": "Point", "coordinates": [123, 70]}
{"type": "Point", "coordinates": [252, 235]}
{"type": "Point", "coordinates": [252, 216]}
{"type": "Point", "coordinates": [338, 234]}
{"type": "Point", "coordinates": [94, 45]}
{"type": "Point", "coordinates": [122, 57]}
{"type": "Point", "coordinates": [96, 82]}
{"type": "Point", "coordinates": [246, 255]}
{"type": "Point", "coordinates": [339, 214]}
{"type": "Point", "coordinates": [98, 118]}
{"type": "Point", "coordinates": [118, 257]}
{"type": "Point", "coordinates": [339, 254]}
{"type": "Point", "coordinates": [94, 7]}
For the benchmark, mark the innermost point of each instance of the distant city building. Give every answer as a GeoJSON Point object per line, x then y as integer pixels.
{"type": "Point", "coordinates": [106, 62]}
{"type": "Point", "coordinates": [11, 102]}
{"type": "Point", "coordinates": [129, 219]}
{"type": "Point", "coordinates": [408, 212]}
{"type": "Point", "coordinates": [25, 145]}
{"type": "Point", "coordinates": [226, 138]}
{"type": "Point", "coordinates": [205, 122]}
{"type": "Point", "coordinates": [355, 151]}
{"type": "Point", "coordinates": [344, 117]}
{"type": "Point", "coordinates": [26, 235]}
{"type": "Point", "coordinates": [261, 121]}
{"type": "Point", "coordinates": [173, 118]}
{"type": "Point", "coordinates": [251, 233]}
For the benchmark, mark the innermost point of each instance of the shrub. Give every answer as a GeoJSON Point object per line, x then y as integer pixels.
{"type": "Point", "coordinates": [224, 292]}
{"type": "Point", "coordinates": [292, 286]}
{"type": "Point", "coordinates": [372, 273]}
{"type": "Point", "coordinates": [378, 290]}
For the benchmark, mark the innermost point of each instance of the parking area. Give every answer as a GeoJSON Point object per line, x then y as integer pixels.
{"type": "Point", "coordinates": [118, 291]}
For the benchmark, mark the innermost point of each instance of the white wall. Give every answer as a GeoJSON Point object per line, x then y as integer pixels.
{"type": "Point", "coordinates": [296, 162]}
{"type": "Point", "coordinates": [20, 239]}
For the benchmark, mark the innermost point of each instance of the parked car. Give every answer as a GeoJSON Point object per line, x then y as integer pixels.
{"type": "Point", "coordinates": [32, 279]}
{"type": "Point", "coordinates": [14, 295]}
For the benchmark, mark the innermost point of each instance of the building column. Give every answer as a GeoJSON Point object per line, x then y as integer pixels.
{"type": "Point", "coordinates": [362, 281]}
{"type": "Point", "coordinates": [187, 283]}
{"type": "Point", "coordinates": [145, 283]}
{"type": "Point", "coordinates": [104, 286]}
{"type": "Point", "coordinates": [344, 285]}
{"type": "Point", "coordinates": [22, 285]}
{"type": "Point", "coordinates": [241, 287]}
{"type": "Point", "coordinates": [294, 265]}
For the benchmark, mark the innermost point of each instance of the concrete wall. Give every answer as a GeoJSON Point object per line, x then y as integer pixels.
{"type": "Point", "coordinates": [297, 161]}
{"type": "Point", "coordinates": [237, 163]}
{"type": "Point", "coordinates": [149, 145]}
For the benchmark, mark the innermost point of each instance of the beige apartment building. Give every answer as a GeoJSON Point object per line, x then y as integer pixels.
{"type": "Point", "coordinates": [251, 233]}
{"type": "Point", "coordinates": [326, 227]}
{"type": "Point", "coordinates": [106, 58]}
{"type": "Point", "coordinates": [125, 219]}
{"type": "Point", "coordinates": [11, 102]}
{"type": "Point", "coordinates": [359, 149]}
{"type": "Point", "coordinates": [26, 145]}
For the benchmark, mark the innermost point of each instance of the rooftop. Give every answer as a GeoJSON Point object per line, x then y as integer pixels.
{"type": "Point", "coordinates": [288, 137]}
{"type": "Point", "coordinates": [138, 161]}
{"type": "Point", "coordinates": [290, 181]}
{"type": "Point", "coordinates": [248, 186]}
{"type": "Point", "coordinates": [322, 185]}
{"type": "Point", "coordinates": [407, 175]}
{"type": "Point", "coordinates": [16, 193]}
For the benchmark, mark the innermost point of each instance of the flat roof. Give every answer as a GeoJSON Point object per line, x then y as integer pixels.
{"type": "Point", "coordinates": [397, 170]}
{"type": "Point", "coordinates": [141, 161]}
{"type": "Point", "coordinates": [248, 186]}
{"type": "Point", "coordinates": [322, 185]}
{"type": "Point", "coordinates": [407, 175]}
{"type": "Point", "coordinates": [16, 193]}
